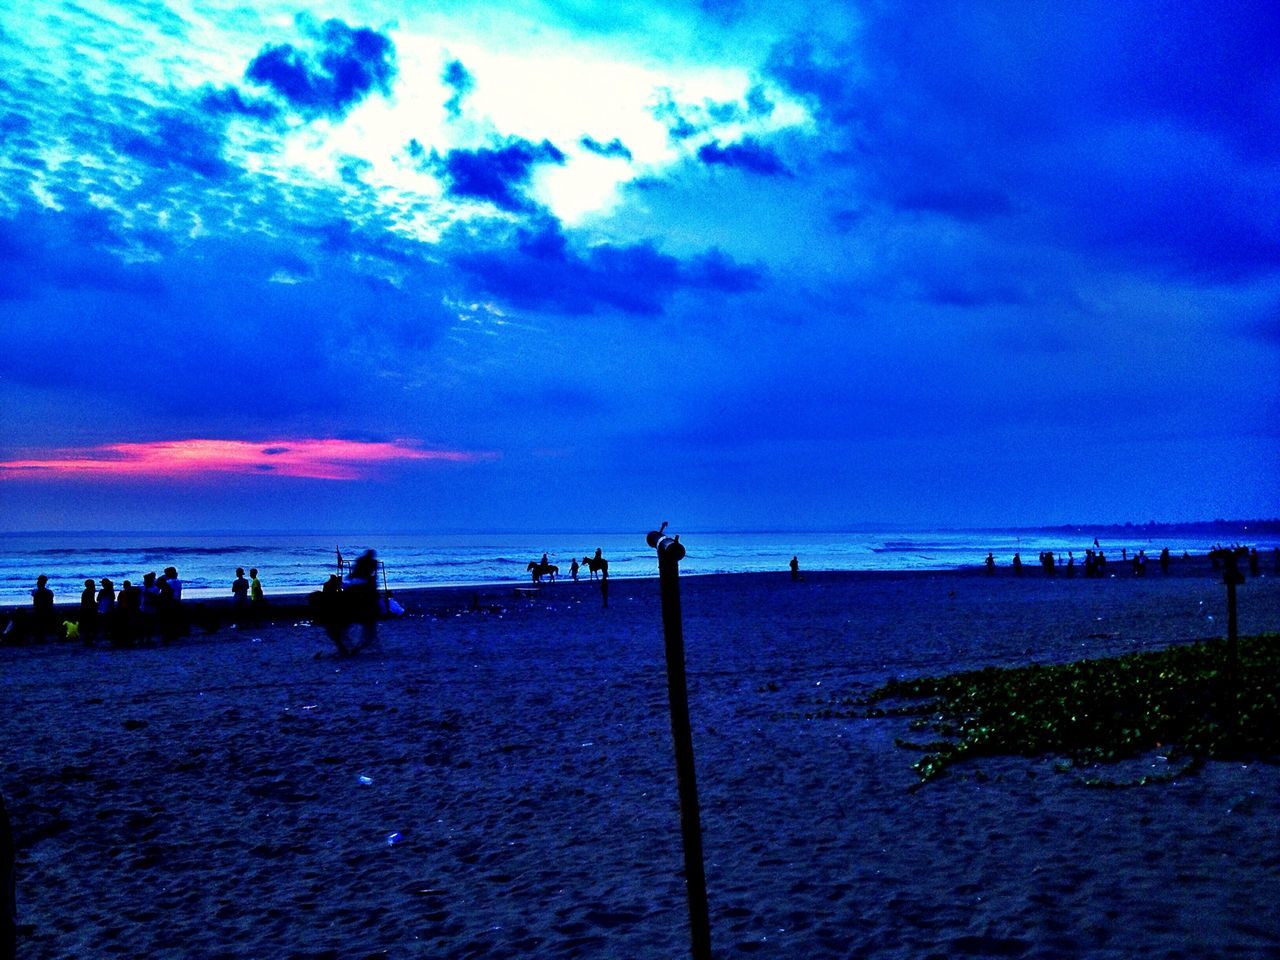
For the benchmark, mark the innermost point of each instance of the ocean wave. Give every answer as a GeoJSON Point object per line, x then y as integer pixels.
{"type": "Point", "coordinates": [160, 551]}
{"type": "Point", "coordinates": [913, 546]}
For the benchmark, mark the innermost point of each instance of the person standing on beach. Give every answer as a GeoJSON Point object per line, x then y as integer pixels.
{"type": "Point", "coordinates": [41, 608]}
{"type": "Point", "coordinates": [151, 601]}
{"type": "Point", "coordinates": [177, 618]}
{"type": "Point", "coordinates": [88, 612]}
{"type": "Point", "coordinates": [240, 590]}
{"type": "Point", "coordinates": [257, 602]}
{"type": "Point", "coordinates": [1017, 565]}
{"type": "Point", "coordinates": [991, 564]}
{"type": "Point", "coordinates": [573, 569]}
{"type": "Point", "coordinates": [795, 567]}
{"type": "Point", "coordinates": [106, 607]}
{"type": "Point", "coordinates": [361, 592]}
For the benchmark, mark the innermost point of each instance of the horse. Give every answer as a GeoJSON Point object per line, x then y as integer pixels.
{"type": "Point", "coordinates": [538, 570]}
{"type": "Point", "coordinates": [596, 565]}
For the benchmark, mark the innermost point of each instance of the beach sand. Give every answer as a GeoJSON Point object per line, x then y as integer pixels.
{"type": "Point", "coordinates": [205, 799]}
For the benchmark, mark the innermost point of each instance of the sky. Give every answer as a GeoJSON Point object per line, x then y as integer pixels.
{"type": "Point", "coordinates": [517, 265]}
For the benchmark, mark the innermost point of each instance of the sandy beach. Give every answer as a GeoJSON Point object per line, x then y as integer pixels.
{"type": "Point", "coordinates": [500, 783]}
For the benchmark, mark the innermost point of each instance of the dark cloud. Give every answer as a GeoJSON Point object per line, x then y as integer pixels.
{"type": "Point", "coordinates": [672, 116]}
{"type": "Point", "coordinates": [173, 138]}
{"type": "Point", "coordinates": [748, 154]}
{"type": "Point", "coordinates": [245, 330]}
{"type": "Point", "coordinates": [1122, 131]}
{"type": "Point", "coordinates": [686, 120]}
{"type": "Point", "coordinates": [13, 125]}
{"type": "Point", "coordinates": [229, 101]}
{"type": "Point", "coordinates": [614, 148]}
{"type": "Point", "coordinates": [540, 269]}
{"type": "Point", "coordinates": [41, 250]}
{"type": "Point", "coordinates": [498, 175]}
{"type": "Point", "coordinates": [345, 65]}
{"type": "Point", "coordinates": [457, 78]}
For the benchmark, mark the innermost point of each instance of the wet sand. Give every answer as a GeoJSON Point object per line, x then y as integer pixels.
{"type": "Point", "coordinates": [518, 796]}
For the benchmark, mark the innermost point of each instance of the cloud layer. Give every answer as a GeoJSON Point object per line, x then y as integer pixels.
{"type": "Point", "coordinates": [823, 255]}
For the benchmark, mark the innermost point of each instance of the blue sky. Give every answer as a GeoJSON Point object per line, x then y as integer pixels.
{"type": "Point", "coordinates": [531, 266]}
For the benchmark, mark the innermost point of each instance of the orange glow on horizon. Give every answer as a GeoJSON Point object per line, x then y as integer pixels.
{"type": "Point", "coordinates": [310, 458]}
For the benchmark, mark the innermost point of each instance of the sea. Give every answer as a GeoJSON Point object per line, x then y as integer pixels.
{"type": "Point", "coordinates": [292, 563]}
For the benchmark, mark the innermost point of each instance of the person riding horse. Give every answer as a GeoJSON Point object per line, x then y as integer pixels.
{"type": "Point", "coordinates": [537, 570]}
{"type": "Point", "coordinates": [596, 564]}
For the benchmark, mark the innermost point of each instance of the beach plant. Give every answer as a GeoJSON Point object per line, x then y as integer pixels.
{"type": "Point", "coordinates": [1188, 703]}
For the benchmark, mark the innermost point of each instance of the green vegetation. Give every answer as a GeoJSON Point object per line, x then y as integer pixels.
{"type": "Point", "coordinates": [1190, 702]}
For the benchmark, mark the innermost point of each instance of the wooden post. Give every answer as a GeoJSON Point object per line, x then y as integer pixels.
{"type": "Point", "coordinates": [1232, 577]}
{"type": "Point", "coordinates": [670, 553]}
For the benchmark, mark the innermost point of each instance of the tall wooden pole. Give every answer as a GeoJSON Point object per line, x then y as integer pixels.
{"type": "Point", "coordinates": [670, 553]}
{"type": "Point", "coordinates": [1232, 577]}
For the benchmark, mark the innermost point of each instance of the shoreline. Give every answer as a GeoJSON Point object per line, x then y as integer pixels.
{"type": "Point", "coordinates": [1196, 566]}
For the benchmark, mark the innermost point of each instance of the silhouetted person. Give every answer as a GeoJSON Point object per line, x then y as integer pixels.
{"type": "Point", "coordinates": [1164, 561]}
{"type": "Point", "coordinates": [177, 618]}
{"type": "Point", "coordinates": [149, 608]}
{"type": "Point", "coordinates": [258, 602]}
{"type": "Point", "coordinates": [1071, 565]}
{"type": "Point", "coordinates": [240, 592]}
{"type": "Point", "coordinates": [88, 612]}
{"type": "Point", "coordinates": [41, 609]}
{"type": "Point", "coordinates": [795, 568]}
{"type": "Point", "coordinates": [106, 605]}
{"type": "Point", "coordinates": [361, 593]}
{"type": "Point", "coordinates": [544, 561]}
{"type": "Point", "coordinates": [127, 614]}
{"type": "Point", "coordinates": [1102, 564]}
{"type": "Point", "coordinates": [166, 608]}
{"type": "Point", "coordinates": [175, 583]}
{"type": "Point", "coordinates": [573, 569]}
{"type": "Point", "coordinates": [1253, 562]}
{"type": "Point", "coordinates": [1017, 565]}
{"type": "Point", "coordinates": [597, 564]}
{"type": "Point", "coordinates": [330, 612]}
{"type": "Point", "coordinates": [991, 564]}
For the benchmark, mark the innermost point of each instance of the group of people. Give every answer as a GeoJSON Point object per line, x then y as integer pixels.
{"type": "Point", "coordinates": [136, 612]}
{"type": "Point", "coordinates": [1234, 554]}
{"type": "Point", "coordinates": [598, 565]}
{"type": "Point", "coordinates": [1095, 561]}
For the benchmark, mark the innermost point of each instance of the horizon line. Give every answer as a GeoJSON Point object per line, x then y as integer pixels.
{"type": "Point", "coordinates": [867, 527]}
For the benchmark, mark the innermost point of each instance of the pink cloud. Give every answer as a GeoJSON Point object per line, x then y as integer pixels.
{"type": "Point", "coordinates": [312, 458]}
